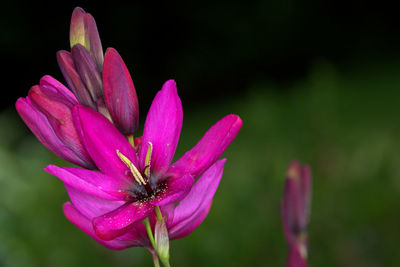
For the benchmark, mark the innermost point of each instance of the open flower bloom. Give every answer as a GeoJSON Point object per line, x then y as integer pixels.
{"type": "Point", "coordinates": [109, 204]}
{"type": "Point", "coordinates": [47, 111]}
{"type": "Point", "coordinates": [180, 220]}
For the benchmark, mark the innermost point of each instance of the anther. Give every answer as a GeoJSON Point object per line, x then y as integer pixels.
{"type": "Point", "coordinates": [136, 174]}
{"type": "Point", "coordinates": [148, 160]}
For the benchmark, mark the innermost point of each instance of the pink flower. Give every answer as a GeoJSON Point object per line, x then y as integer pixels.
{"type": "Point", "coordinates": [295, 212]}
{"type": "Point", "coordinates": [109, 204]}
{"type": "Point", "coordinates": [47, 111]}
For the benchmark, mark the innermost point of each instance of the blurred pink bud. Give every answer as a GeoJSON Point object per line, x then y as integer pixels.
{"type": "Point", "coordinates": [295, 259]}
{"type": "Point", "coordinates": [295, 211]}
{"type": "Point", "coordinates": [296, 201]}
{"type": "Point", "coordinates": [120, 94]}
{"type": "Point", "coordinates": [47, 110]}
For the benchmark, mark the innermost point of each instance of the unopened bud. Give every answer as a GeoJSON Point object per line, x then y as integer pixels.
{"type": "Point", "coordinates": [295, 259]}
{"type": "Point", "coordinates": [48, 113]}
{"type": "Point", "coordinates": [162, 240]}
{"type": "Point", "coordinates": [73, 79]}
{"type": "Point", "coordinates": [83, 31]}
{"type": "Point", "coordinates": [88, 72]}
{"type": "Point", "coordinates": [296, 202]}
{"type": "Point", "coordinates": [119, 93]}
{"type": "Point", "coordinates": [78, 31]}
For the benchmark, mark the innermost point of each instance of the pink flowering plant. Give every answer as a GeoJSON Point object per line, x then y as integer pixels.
{"type": "Point", "coordinates": [128, 192]}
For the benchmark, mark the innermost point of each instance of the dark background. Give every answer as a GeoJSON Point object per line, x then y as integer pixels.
{"type": "Point", "coordinates": [212, 48]}
{"type": "Point", "coordinates": [313, 80]}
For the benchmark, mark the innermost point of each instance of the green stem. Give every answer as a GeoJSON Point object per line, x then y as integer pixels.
{"type": "Point", "coordinates": [146, 223]}
{"type": "Point", "coordinates": [166, 263]}
{"type": "Point", "coordinates": [158, 213]}
{"type": "Point", "coordinates": [155, 258]}
{"type": "Point", "coordinates": [131, 140]}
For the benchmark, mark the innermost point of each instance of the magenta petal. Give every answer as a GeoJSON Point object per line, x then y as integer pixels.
{"type": "Point", "coordinates": [55, 101]}
{"type": "Point", "coordinates": [58, 111]}
{"type": "Point", "coordinates": [137, 235]}
{"type": "Point", "coordinates": [119, 92]}
{"type": "Point", "coordinates": [209, 148]}
{"type": "Point", "coordinates": [91, 182]}
{"type": "Point", "coordinates": [176, 189]}
{"type": "Point", "coordinates": [168, 212]}
{"type": "Point", "coordinates": [192, 210]}
{"type": "Point", "coordinates": [41, 128]}
{"type": "Point", "coordinates": [83, 223]}
{"type": "Point", "coordinates": [121, 220]}
{"type": "Point", "coordinates": [50, 83]}
{"type": "Point", "coordinates": [102, 140]}
{"type": "Point", "coordinates": [162, 128]}
{"type": "Point", "coordinates": [89, 205]}
{"type": "Point", "coordinates": [188, 226]}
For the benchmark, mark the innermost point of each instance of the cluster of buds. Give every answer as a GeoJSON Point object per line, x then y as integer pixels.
{"type": "Point", "coordinates": [295, 213]}
{"type": "Point", "coordinates": [101, 82]}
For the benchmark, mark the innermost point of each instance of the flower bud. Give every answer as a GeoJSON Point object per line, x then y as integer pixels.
{"type": "Point", "coordinates": [90, 76]}
{"type": "Point", "coordinates": [119, 93]}
{"type": "Point", "coordinates": [73, 79]}
{"type": "Point", "coordinates": [162, 240]}
{"type": "Point", "coordinates": [48, 113]}
{"type": "Point", "coordinates": [296, 201]}
{"type": "Point", "coordinates": [96, 49]}
{"type": "Point", "coordinates": [295, 259]}
{"type": "Point", "coordinates": [295, 213]}
{"type": "Point", "coordinates": [78, 32]}
{"type": "Point", "coordinates": [83, 31]}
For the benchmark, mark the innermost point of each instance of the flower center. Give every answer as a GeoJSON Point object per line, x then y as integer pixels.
{"type": "Point", "coordinates": [135, 172]}
{"type": "Point", "coordinates": [142, 179]}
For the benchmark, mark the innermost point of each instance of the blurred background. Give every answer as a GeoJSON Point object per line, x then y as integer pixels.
{"type": "Point", "coordinates": [313, 80]}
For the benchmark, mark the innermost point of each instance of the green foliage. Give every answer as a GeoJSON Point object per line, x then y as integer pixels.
{"type": "Point", "coordinates": [344, 124]}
